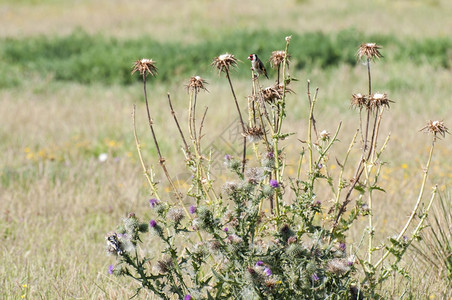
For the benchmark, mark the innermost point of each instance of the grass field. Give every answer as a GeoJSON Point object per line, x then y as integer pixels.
{"type": "Point", "coordinates": [57, 199]}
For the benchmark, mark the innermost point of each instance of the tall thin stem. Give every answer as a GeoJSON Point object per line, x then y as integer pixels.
{"type": "Point", "coordinates": [161, 159]}
{"type": "Point", "coordinates": [241, 121]}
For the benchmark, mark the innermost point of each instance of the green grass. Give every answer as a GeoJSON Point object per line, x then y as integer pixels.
{"type": "Point", "coordinates": [89, 59]}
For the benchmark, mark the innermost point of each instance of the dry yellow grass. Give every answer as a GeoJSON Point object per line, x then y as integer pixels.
{"type": "Point", "coordinates": [55, 213]}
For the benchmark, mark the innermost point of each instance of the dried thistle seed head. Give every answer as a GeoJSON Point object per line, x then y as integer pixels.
{"type": "Point", "coordinates": [378, 100]}
{"type": "Point", "coordinates": [196, 84]}
{"type": "Point", "coordinates": [277, 58]}
{"type": "Point", "coordinates": [324, 135]}
{"type": "Point", "coordinates": [254, 134]}
{"type": "Point", "coordinates": [145, 66]}
{"type": "Point", "coordinates": [369, 50]}
{"type": "Point", "coordinates": [224, 62]}
{"type": "Point", "coordinates": [359, 100]}
{"type": "Point", "coordinates": [175, 214]}
{"type": "Point", "coordinates": [338, 266]}
{"type": "Point", "coordinates": [165, 265]}
{"type": "Point", "coordinates": [273, 93]}
{"type": "Point", "coordinates": [255, 175]}
{"type": "Point", "coordinates": [270, 94]}
{"type": "Point", "coordinates": [436, 127]}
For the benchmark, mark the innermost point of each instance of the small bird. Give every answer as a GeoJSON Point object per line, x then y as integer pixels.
{"type": "Point", "coordinates": [257, 65]}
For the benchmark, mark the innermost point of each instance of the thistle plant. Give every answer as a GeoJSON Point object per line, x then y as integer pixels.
{"type": "Point", "coordinates": [222, 242]}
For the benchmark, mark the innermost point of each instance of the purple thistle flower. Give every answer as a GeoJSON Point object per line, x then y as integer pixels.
{"type": "Point", "coordinates": [270, 155]}
{"type": "Point", "coordinates": [187, 297]}
{"type": "Point", "coordinates": [111, 268]}
{"type": "Point", "coordinates": [153, 202]}
{"type": "Point", "coordinates": [152, 223]}
{"type": "Point", "coordinates": [192, 209]}
{"type": "Point", "coordinates": [274, 183]}
{"type": "Point", "coordinates": [314, 277]}
{"type": "Point", "coordinates": [342, 247]}
{"type": "Point", "coordinates": [259, 263]}
{"type": "Point", "coordinates": [225, 229]}
{"type": "Point", "coordinates": [268, 271]}
{"type": "Point", "coordinates": [228, 157]}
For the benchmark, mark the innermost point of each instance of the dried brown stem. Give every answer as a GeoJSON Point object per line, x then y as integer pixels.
{"type": "Point", "coordinates": [177, 124]}
{"type": "Point", "coordinates": [241, 120]}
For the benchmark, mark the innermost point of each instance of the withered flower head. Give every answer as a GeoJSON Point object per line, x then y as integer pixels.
{"type": "Point", "coordinates": [175, 214]}
{"type": "Point", "coordinates": [277, 58]}
{"type": "Point", "coordinates": [436, 127]}
{"type": "Point", "coordinates": [324, 135]}
{"type": "Point", "coordinates": [165, 265]}
{"type": "Point", "coordinates": [273, 93]}
{"type": "Point", "coordinates": [338, 266]}
{"type": "Point", "coordinates": [369, 50]}
{"type": "Point", "coordinates": [196, 84]}
{"type": "Point", "coordinates": [359, 100]}
{"type": "Point", "coordinates": [224, 62]}
{"type": "Point", "coordinates": [253, 134]}
{"type": "Point", "coordinates": [378, 100]}
{"type": "Point", "coordinates": [145, 66]}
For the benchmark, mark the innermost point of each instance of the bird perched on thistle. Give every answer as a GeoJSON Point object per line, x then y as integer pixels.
{"type": "Point", "coordinates": [257, 65]}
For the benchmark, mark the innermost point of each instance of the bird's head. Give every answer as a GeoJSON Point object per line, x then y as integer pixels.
{"type": "Point", "coordinates": [252, 57]}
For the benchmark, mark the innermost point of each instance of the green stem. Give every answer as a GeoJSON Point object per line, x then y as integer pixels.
{"type": "Point", "coordinates": [416, 206]}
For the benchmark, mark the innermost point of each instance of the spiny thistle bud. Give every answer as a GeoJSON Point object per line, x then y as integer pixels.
{"type": "Point", "coordinates": [274, 183]}
{"type": "Point", "coordinates": [369, 50]}
{"type": "Point", "coordinates": [295, 251]}
{"type": "Point", "coordinates": [231, 163]}
{"type": "Point", "coordinates": [161, 209]}
{"type": "Point", "coordinates": [436, 127]}
{"type": "Point", "coordinates": [154, 202]}
{"type": "Point", "coordinates": [145, 66]}
{"type": "Point", "coordinates": [196, 84]}
{"type": "Point", "coordinates": [205, 217]}
{"type": "Point", "coordinates": [155, 228]}
{"type": "Point", "coordinates": [131, 225]}
{"type": "Point", "coordinates": [224, 62]}
{"type": "Point", "coordinates": [285, 232]}
{"type": "Point", "coordinates": [176, 215]}
{"type": "Point", "coordinates": [199, 250]}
